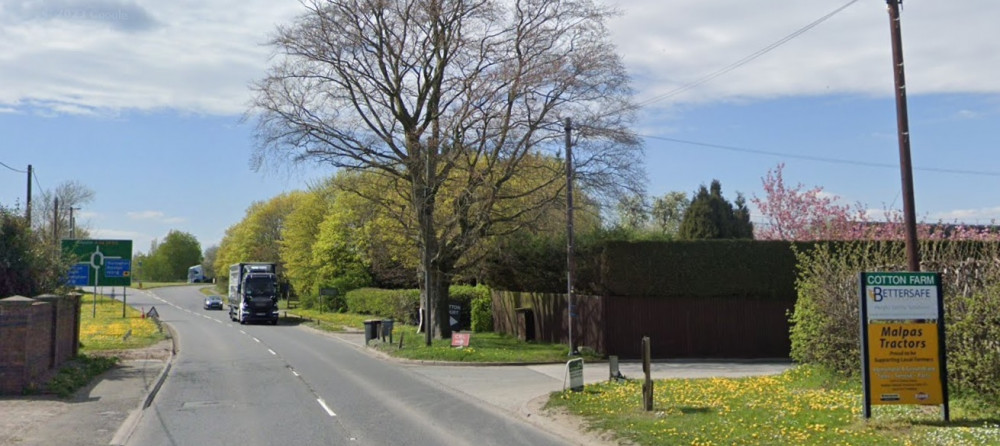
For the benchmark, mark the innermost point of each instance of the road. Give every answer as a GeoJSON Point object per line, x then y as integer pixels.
{"type": "Point", "coordinates": [267, 385]}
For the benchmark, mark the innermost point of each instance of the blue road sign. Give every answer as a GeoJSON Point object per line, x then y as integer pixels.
{"type": "Point", "coordinates": [117, 267]}
{"type": "Point", "coordinates": [79, 274]}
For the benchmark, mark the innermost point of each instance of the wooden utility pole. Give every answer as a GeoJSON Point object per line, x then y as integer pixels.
{"type": "Point", "coordinates": [27, 210]}
{"type": "Point", "coordinates": [903, 126]}
{"type": "Point", "coordinates": [55, 221]}
{"type": "Point", "coordinates": [570, 248]}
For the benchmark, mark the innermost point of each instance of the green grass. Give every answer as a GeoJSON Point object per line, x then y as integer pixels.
{"type": "Point", "coordinates": [149, 285]}
{"type": "Point", "coordinates": [802, 406]}
{"type": "Point", "coordinates": [326, 320]}
{"type": "Point", "coordinates": [78, 373]}
{"type": "Point", "coordinates": [110, 331]}
{"type": "Point", "coordinates": [483, 347]}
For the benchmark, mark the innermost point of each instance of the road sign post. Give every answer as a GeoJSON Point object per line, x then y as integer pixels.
{"type": "Point", "coordinates": [99, 262]}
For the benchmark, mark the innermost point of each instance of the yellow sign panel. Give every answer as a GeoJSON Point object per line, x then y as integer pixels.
{"type": "Point", "coordinates": [904, 363]}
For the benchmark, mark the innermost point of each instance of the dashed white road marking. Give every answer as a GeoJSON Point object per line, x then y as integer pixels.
{"type": "Point", "coordinates": [325, 407]}
{"type": "Point", "coordinates": [272, 352]}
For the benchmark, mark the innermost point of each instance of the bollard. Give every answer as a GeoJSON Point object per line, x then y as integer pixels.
{"type": "Point", "coordinates": [647, 385]}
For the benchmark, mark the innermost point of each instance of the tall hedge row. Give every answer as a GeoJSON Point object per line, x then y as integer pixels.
{"type": "Point", "coordinates": [826, 319]}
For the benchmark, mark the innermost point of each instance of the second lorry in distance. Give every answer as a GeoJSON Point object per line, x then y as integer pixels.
{"type": "Point", "coordinates": [253, 292]}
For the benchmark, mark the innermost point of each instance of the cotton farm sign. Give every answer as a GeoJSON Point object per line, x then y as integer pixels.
{"type": "Point", "coordinates": [902, 340]}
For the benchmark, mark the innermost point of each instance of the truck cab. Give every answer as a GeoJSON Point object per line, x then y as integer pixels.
{"type": "Point", "coordinates": [253, 293]}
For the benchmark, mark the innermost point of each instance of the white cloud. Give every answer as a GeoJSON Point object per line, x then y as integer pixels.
{"type": "Point", "coordinates": [72, 56]}
{"type": "Point", "coordinates": [157, 216]}
{"type": "Point", "coordinates": [973, 216]}
{"type": "Point", "coordinates": [670, 44]}
{"type": "Point", "coordinates": [967, 114]}
{"type": "Point", "coordinates": [80, 56]}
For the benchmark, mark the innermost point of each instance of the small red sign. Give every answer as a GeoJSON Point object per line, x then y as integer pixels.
{"type": "Point", "coordinates": [460, 339]}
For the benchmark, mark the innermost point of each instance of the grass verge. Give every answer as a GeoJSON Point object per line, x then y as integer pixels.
{"type": "Point", "coordinates": [326, 321]}
{"type": "Point", "coordinates": [804, 405]}
{"type": "Point", "coordinates": [102, 326]}
{"type": "Point", "coordinates": [148, 285]}
{"type": "Point", "coordinates": [78, 373]}
{"type": "Point", "coordinates": [483, 347]}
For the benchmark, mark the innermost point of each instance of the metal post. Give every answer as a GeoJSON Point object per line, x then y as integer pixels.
{"type": "Point", "coordinates": [902, 123]}
{"type": "Point", "coordinates": [570, 248]}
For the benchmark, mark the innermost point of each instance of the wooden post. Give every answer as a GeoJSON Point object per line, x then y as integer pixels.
{"type": "Point", "coordinates": [647, 385]}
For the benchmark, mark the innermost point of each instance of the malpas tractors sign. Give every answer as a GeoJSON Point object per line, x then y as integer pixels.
{"type": "Point", "coordinates": [902, 331]}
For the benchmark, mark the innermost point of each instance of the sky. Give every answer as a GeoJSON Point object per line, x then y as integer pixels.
{"type": "Point", "coordinates": [143, 102]}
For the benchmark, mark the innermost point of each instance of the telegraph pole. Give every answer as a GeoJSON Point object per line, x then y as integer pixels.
{"type": "Point", "coordinates": [55, 221]}
{"type": "Point", "coordinates": [902, 123]}
{"type": "Point", "coordinates": [570, 248]}
{"type": "Point", "coordinates": [27, 210]}
{"type": "Point", "coordinates": [72, 222]}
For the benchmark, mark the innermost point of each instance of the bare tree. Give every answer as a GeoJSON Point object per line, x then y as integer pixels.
{"type": "Point", "coordinates": [72, 195]}
{"type": "Point", "coordinates": [454, 101]}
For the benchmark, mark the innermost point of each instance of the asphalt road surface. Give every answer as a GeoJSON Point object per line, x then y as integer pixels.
{"type": "Point", "coordinates": [250, 385]}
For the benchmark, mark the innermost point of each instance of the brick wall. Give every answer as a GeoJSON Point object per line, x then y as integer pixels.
{"type": "Point", "coordinates": [36, 337]}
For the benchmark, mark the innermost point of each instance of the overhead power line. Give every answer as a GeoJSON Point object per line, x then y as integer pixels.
{"type": "Point", "coordinates": [739, 63]}
{"type": "Point", "coordinates": [821, 158]}
{"type": "Point", "coordinates": [11, 168]}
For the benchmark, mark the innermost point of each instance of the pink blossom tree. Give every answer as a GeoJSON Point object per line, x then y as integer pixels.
{"type": "Point", "coordinates": [800, 214]}
{"type": "Point", "coordinates": [797, 213]}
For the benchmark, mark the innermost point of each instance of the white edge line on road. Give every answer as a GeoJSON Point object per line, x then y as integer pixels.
{"type": "Point", "coordinates": [327, 409]}
{"type": "Point", "coordinates": [272, 352]}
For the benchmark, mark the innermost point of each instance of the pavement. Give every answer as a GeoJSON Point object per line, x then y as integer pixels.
{"type": "Point", "coordinates": [106, 411]}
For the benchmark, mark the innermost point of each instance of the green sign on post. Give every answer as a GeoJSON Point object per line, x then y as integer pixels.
{"type": "Point", "coordinates": [99, 262]}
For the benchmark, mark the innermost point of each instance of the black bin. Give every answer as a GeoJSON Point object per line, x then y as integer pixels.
{"type": "Point", "coordinates": [371, 329]}
{"type": "Point", "coordinates": [387, 329]}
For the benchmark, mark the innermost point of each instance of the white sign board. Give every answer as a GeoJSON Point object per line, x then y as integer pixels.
{"type": "Point", "coordinates": [896, 296]}
{"type": "Point", "coordinates": [575, 367]}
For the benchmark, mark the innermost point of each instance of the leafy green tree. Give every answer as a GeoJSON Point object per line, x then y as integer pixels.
{"type": "Point", "coordinates": [208, 261]}
{"type": "Point", "coordinates": [711, 216]}
{"type": "Point", "coordinates": [172, 258]}
{"type": "Point", "coordinates": [633, 212]}
{"type": "Point", "coordinates": [299, 237]}
{"type": "Point", "coordinates": [257, 238]}
{"type": "Point", "coordinates": [29, 266]}
{"type": "Point", "coordinates": [668, 211]}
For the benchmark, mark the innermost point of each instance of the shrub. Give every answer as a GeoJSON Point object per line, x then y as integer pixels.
{"type": "Point", "coordinates": [402, 305]}
{"type": "Point", "coordinates": [826, 320]}
{"type": "Point", "coordinates": [482, 314]}
{"type": "Point", "coordinates": [973, 340]}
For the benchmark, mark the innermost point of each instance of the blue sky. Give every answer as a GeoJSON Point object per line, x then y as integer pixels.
{"type": "Point", "coordinates": [142, 102]}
